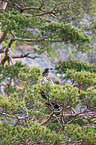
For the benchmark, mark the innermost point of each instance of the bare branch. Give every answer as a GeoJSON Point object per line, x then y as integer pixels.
{"type": "Point", "coordinates": [39, 39]}
{"type": "Point", "coordinates": [20, 56]}
{"type": "Point", "coordinates": [39, 120]}
{"type": "Point", "coordinates": [10, 43]}
{"type": "Point", "coordinates": [33, 57]}
{"type": "Point", "coordinates": [28, 8]}
{"type": "Point", "coordinates": [49, 118]}
{"type": "Point", "coordinates": [25, 55]}
{"type": "Point", "coordinates": [17, 122]}
{"type": "Point", "coordinates": [12, 34]}
{"type": "Point", "coordinates": [73, 119]}
{"type": "Point", "coordinates": [8, 115]}
{"type": "Point", "coordinates": [53, 15]}
{"type": "Point", "coordinates": [19, 7]}
{"type": "Point", "coordinates": [7, 55]}
{"type": "Point", "coordinates": [62, 120]}
{"type": "Point", "coordinates": [52, 12]}
{"type": "Point", "coordinates": [47, 12]}
{"type": "Point", "coordinates": [26, 122]}
{"type": "Point", "coordinates": [42, 4]}
{"type": "Point", "coordinates": [15, 116]}
{"type": "Point", "coordinates": [44, 13]}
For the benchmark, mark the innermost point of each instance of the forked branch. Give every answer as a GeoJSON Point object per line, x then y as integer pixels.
{"type": "Point", "coordinates": [7, 56]}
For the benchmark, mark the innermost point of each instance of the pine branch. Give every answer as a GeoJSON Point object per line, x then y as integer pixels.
{"type": "Point", "coordinates": [3, 37]}
{"type": "Point", "coordinates": [73, 119]}
{"type": "Point", "coordinates": [8, 115]}
{"type": "Point", "coordinates": [39, 39]}
{"type": "Point", "coordinates": [49, 118]}
{"type": "Point", "coordinates": [30, 8]}
{"type": "Point", "coordinates": [15, 116]}
{"type": "Point", "coordinates": [25, 55]}
{"type": "Point", "coordinates": [7, 56]}
{"type": "Point", "coordinates": [20, 56]}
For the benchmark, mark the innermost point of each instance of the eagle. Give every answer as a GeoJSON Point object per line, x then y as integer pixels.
{"type": "Point", "coordinates": [46, 72]}
{"type": "Point", "coordinates": [50, 103]}
{"type": "Point", "coordinates": [45, 77]}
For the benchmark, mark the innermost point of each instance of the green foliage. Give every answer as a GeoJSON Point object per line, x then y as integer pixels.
{"type": "Point", "coordinates": [64, 95]}
{"type": "Point", "coordinates": [90, 95]}
{"type": "Point", "coordinates": [24, 112]}
{"type": "Point", "coordinates": [67, 33]}
{"type": "Point", "coordinates": [31, 77]}
{"type": "Point", "coordinates": [10, 105]}
{"type": "Point", "coordinates": [87, 78]}
{"type": "Point", "coordinates": [78, 72]}
{"type": "Point", "coordinates": [11, 71]}
{"type": "Point", "coordinates": [35, 134]}
{"type": "Point", "coordinates": [21, 135]}
{"type": "Point", "coordinates": [18, 23]}
{"type": "Point", "coordinates": [18, 76]}
{"type": "Point", "coordinates": [32, 113]}
{"type": "Point", "coordinates": [87, 134]}
{"type": "Point", "coordinates": [74, 64]}
{"type": "Point", "coordinates": [61, 26]}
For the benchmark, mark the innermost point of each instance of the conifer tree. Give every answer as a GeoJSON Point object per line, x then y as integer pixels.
{"type": "Point", "coordinates": [32, 113]}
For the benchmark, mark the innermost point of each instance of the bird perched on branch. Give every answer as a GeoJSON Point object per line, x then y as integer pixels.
{"type": "Point", "coordinates": [46, 72]}
{"type": "Point", "coordinates": [45, 77]}
{"type": "Point", "coordinates": [50, 104]}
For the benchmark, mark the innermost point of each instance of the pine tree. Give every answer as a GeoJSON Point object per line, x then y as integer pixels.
{"type": "Point", "coordinates": [32, 113]}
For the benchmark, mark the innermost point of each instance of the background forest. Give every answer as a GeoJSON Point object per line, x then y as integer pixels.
{"type": "Point", "coordinates": [57, 112]}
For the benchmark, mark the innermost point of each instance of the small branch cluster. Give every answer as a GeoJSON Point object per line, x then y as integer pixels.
{"type": "Point", "coordinates": [16, 117]}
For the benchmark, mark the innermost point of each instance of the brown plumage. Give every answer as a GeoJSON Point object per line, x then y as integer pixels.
{"type": "Point", "coordinates": [46, 72]}
{"type": "Point", "coordinates": [50, 103]}
{"type": "Point", "coordinates": [45, 77]}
